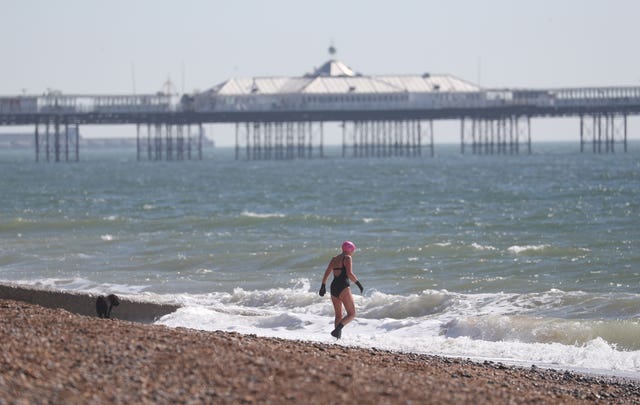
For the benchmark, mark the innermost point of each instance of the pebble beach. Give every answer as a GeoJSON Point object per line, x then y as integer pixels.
{"type": "Point", "coordinates": [53, 356]}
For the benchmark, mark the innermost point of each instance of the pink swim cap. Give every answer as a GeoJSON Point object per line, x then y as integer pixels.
{"type": "Point", "coordinates": [348, 246]}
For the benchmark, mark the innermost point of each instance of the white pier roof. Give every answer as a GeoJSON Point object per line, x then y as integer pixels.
{"type": "Point", "coordinates": [334, 77]}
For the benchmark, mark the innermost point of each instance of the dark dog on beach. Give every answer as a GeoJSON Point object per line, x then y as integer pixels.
{"type": "Point", "coordinates": [104, 305]}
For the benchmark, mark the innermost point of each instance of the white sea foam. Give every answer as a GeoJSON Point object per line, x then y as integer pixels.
{"type": "Point", "coordinates": [250, 214]}
{"type": "Point", "coordinates": [418, 336]}
{"type": "Point", "coordinates": [529, 248]}
{"type": "Point", "coordinates": [106, 237]}
{"type": "Point", "coordinates": [432, 322]}
{"type": "Point", "coordinates": [478, 246]}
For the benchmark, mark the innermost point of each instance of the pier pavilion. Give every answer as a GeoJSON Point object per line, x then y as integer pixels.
{"type": "Point", "coordinates": [283, 116]}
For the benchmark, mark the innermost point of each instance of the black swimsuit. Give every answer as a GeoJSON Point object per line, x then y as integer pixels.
{"type": "Point", "coordinates": [339, 282]}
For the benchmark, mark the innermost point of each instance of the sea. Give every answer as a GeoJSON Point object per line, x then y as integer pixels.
{"type": "Point", "coordinates": [529, 259]}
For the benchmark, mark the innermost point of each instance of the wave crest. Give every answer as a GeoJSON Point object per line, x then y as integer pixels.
{"type": "Point", "coordinates": [380, 305]}
{"type": "Point", "coordinates": [620, 334]}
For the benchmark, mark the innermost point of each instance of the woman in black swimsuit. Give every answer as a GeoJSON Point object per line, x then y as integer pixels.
{"type": "Point", "coordinates": [341, 266]}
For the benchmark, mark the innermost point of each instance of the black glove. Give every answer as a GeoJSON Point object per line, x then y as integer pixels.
{"type": "Point", "coordinates": [323, 290]}
{"type": "Point", "coordinates": [360, 286]}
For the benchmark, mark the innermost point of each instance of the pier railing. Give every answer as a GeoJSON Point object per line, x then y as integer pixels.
{"type": "Point", "coordinates": [536, 102]}
{"type": "Point", "coordinates": [87, 104]}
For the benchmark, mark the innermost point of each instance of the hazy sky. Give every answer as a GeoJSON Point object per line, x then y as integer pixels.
{"type": "Point", "coordinates": [86, 46]}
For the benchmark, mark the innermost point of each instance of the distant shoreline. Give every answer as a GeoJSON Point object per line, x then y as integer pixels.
{"type": "Point", "coordinates": [25, 145]}
{"type": "Point", "coordinates": [17, 141]}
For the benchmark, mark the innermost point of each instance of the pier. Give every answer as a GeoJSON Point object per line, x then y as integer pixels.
{"type": "Point", "coordinates": [377, 138]}
{"type": "Point", "coordinates": [501, 136]}
{"type": "Point", "coordinates": [169, 141]}
{"type": "Point", "coordinates": [284, 117]}
{"type": "Point", "coordinates": [57, 139]}
{"type": "Point", "coordinates": [279, 140]}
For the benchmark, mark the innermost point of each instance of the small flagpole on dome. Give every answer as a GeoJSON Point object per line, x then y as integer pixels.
{"type": "Point", "coordinates": [332, 49]}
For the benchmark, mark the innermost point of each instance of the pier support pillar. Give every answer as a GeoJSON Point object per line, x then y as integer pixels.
{"type": "Point", "coordinates": [77, 143]}
{"type": "Point", "coordinates": [462, 126]}
{"type": "Point", "coordinates": [65, 146]}
{"type": "Point", "coordinates": [499, 135]}
{"type": "Point", "coordinates": [138, 141]}
{"type": "Point", "coordinates": [625, 132]}
{"type": "Point", "coordinates": [149, 149]}
{"type": "Point", "coordinates": [278, 140]}
{"type": "Point", "coordinates": [237, 140]}
{"type": "Point", "coordinates": [377, 138]}
{"type": "Point", "coordinates": [322, 140]}
{"type": "Point", "coordinates": [603, 131]}
{"type": "Point", "coordinates": [169, 141]}
{"type": "Point", "coordinates": [37, 142]}
{"type": "Point", "coordinates": [200, 139]}
{"type": "Point", "coordinates": [56, 140]}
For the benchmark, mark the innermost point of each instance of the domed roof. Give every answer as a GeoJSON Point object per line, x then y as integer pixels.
{"type": "Point", "coordinates": [334, 77]}
{"type": "Point", "coordinates": [333, 68]}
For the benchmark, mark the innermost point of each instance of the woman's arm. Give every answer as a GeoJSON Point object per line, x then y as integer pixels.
{"type": "Point", "coordinates": [323, 288]}
{"type": "Point", "coordinates": [348, 265]}
{"type": "Point", "coordinates": [351, 275]}
{"type": "Point", "coordinates": [327, 272]}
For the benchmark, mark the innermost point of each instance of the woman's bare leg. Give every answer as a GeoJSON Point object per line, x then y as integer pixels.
{"type": "Point", "coordinates": [347, 301]}
{"type": "Point", "coordinates": [337, 308]}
